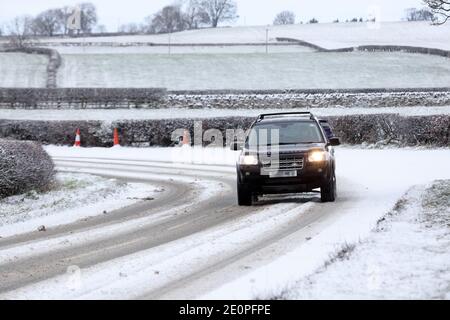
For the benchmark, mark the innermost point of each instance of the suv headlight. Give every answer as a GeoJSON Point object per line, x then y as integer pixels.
{"type": "Point", "coordinates": [248, 160]}
{"type": "Point", "coordinates": [317, 156]}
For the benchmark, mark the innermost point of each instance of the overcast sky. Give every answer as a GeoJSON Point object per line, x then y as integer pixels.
{"type": "Point", "coordinates": [252, 12]}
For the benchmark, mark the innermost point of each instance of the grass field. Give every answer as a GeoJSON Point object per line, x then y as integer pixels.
{"type": "Point", "coordinates": [22, 70]}
{"type": "Point", "coordinates": [244, 66]}
{"type": "Point", "coordinates": [296, 70]}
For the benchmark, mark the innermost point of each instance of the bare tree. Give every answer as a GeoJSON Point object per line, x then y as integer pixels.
{"type": "Point", "coordinates": [440, 8]}
{"type": "Point", "coordinates": [425, 14]}
{"type": "Point", "coordinates": [147, 26]}
{"type": "Point", "coordinates": [20, 30]}
{"type": "Point", "coordinates": [169, 19]}
{"type": "Point", "coordinates": [63, 16]}
{"type": "Point", "coordinates": [284, 18]}
{"type": "Point", "coordinates": [216, 11]}
{"type": "Point", "coordinates": [101, 28]}
{"type": "Point", "coordinates": [48, 23]}
{"type": "Point", "coordinates": [89, 17]}
{"type": "Point", "coordinates": [193, 14]}
{"type": "Point", "coordinates": [129, 28]}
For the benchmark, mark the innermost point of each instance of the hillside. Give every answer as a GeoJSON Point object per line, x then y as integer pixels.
{"type": "Point", "coordinates": [118, 62]}
{"type": "Point", "coordinates": [327, 35]}
{"type": "Point", "coordinates": [254, 71]}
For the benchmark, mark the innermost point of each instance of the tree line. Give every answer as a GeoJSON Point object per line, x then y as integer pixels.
{"type": "Point", "coordinates": [53, 22]}
{"type": "Point", "coordinates": [436, 11]}
{"type": "Point", "coordinates": [186, 15]}
{"type": "Point", "coordinates": [440, 9]}
{"type": "Point", "coordinates": [288, 17]}
{"type": "Point", "coordinates": [182, 15]}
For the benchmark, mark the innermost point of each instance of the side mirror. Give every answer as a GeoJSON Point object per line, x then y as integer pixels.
{"type": "Point", "coordinates": [236, 146]}
{"type": "Point", "coordinates": [334, 142]}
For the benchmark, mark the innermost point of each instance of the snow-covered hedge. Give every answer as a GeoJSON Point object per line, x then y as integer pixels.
{"type": "Point", "coordinates": [116, 98]}
{"type": "Point", "coordinates": [353, 129]}
{"type": "Point", "coordinates": [392, 129]}
{"type": "Point", "coordinates": [81, 98]}
{"type": "Point", "coordinates": [372, 48]}
{"type": "Point", "coordinates": [23, 166]}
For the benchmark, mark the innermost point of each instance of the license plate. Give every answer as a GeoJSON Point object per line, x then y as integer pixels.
{"type": "Point", "coordinates": [283, 174]}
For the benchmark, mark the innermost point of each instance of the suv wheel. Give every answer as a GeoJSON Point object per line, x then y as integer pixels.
{"type": "Point", "coordinates": [244, 195]}
{"type": "Point", "coordinates": [328, 191]}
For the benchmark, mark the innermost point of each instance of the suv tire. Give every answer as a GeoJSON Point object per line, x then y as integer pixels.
{"type": "Point", "coordinates": [244, 195]}
{"type": "Point", "coordinates": [328, 191]}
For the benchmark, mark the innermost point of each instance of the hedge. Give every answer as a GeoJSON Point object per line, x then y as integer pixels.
{"type": "Point", "coordinates": [24, 166]}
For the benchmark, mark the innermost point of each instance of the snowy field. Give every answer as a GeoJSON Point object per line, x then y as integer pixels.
{"type": "Point", "coordinates": [23, 70]}
{"type": "Point", "coordinates": [406, 257]}
{"type": "Point", "coordinates": [366, 194]}
{"type": "Point", "coordinates": [370, 183]}
{"type": "Point", "coordinates": [164, 50]}
{"type": "Point", "coordinates": [177, 113]}
{"type": "Point", "coordinates": [245, 67]}
{"type": "Point", "coordinates": [254, 71]}
{"type": "Point", "coordinates": [328, 35]}
{"type": "Point", "coordinates": [72, 197]}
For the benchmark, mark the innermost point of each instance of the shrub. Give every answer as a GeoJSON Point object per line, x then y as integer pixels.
{"type": "Point", "coordinates": [372, 129]}
{"type": "Point", "coordinates": [24, 166]}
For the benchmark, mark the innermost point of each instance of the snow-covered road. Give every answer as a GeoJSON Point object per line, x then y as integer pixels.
{"type": "Point", "coordinates": [193, 228]}
{"type": "Point", "coordinates": [193, 240]}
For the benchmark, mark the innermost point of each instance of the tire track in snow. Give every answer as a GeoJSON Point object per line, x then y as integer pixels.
{"type": "Point", "coordinates": [159, 268]}
{"type": "Point", "coordinates": [175, 192]}
{"type": "Point", "coordinates": [50, 257]}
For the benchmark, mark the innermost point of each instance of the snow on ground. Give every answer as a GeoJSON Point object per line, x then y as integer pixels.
{"type": "Point", "coordinates": [246, 67]}
{"type": "Point", "coordinates": [23, 70]}
{"type": "Point", "coordinates": [306, 70]}
{"type": "Point", "coordinates": [195, 155]}
{"type": "Point", "coordinates": [206, 188]}
{"type": "Point", "coordinates": [164, 50]}
{"type": "Point", "coordinates": [177, 113]}
{"type": "Point", "coordinates": [134, 275]}
{"type": "Point", "coordinates": [370, 182]}
{"type": "Point", "coordinates": [72, 197]}
{"type": "Point", "coordinates": [406, 257]}
{"type": "Point", "coordinates": [328, 35]}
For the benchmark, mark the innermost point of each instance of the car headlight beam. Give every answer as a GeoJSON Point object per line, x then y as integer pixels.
{"type": "Point", "coordinates": [248, 160]}
{"type": "Point", "coordinates": [317, 156]}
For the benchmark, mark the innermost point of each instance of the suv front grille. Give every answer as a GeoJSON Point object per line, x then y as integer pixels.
{"type": "Point", "coordinates": [285, 163]}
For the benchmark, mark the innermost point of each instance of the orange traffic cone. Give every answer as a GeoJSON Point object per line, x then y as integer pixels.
{"type": "Point", "coordinates": [186, 141]}
{"type": "Point", "coordinates": [116, 137]}
{"type": "Point", "coordinates": [77, 139]}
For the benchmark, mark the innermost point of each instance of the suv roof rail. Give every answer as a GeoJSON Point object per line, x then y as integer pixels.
{"type": "Point", "coordinates": [281, 114]}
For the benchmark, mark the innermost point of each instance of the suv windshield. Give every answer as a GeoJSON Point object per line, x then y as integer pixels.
{"type": "Point", "coordinates": [283, 133]}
